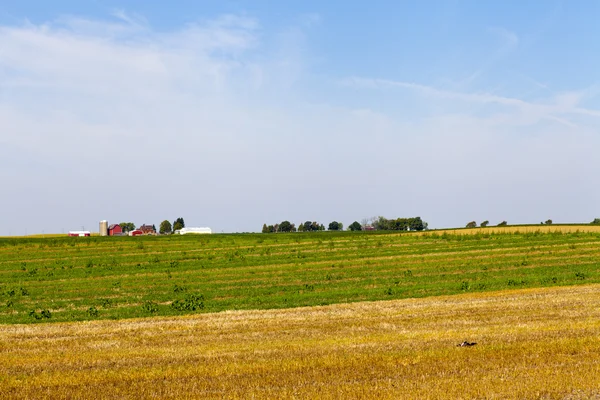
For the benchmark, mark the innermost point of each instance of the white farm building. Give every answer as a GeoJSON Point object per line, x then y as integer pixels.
{"type": "Point", "coordinates": [184, 231]}
{"type": "Point", "coordinates": [80, 233]}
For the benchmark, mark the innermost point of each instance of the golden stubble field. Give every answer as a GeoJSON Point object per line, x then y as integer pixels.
{"type": "Point", "coordinates": [518, 229]}
{"type": "Point", "coordinates": [534, 343]}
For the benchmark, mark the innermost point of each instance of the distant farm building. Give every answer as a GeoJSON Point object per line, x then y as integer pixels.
{"type": "Point", "coordinates": [135, 232]}
{"type": "Point", "coordinates": [147, 229]}
{"type": "Point", "coordinates": [184, 231]}
{"type": "Point", "coordinates": [79, 233]}
{"type": "Point", "coordinates": [115, 230]}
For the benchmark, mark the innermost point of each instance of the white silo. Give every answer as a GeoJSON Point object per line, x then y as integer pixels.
{"type": "Point", "coordinates": [104, 228]}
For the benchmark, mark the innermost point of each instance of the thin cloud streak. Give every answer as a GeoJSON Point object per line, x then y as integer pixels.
{"type": "Point", "coordinates": [509, 38]}
{"type": "Point", "coordinates": [549, 110]}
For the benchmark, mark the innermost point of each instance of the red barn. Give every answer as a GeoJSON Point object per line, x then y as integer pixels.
{"type": "Point", "coordinates": [115, 229]}
{"type": "Point", "coordinates": [136, 232]}
{"type": "Point", "coordinates": [79, 233]}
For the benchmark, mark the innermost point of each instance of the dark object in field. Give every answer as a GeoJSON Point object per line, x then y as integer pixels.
{"type": "Point", "coordinates": [466, 344]}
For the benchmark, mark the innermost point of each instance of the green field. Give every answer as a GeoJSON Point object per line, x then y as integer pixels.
{"type": "Point", "coordinates": [71, 279]}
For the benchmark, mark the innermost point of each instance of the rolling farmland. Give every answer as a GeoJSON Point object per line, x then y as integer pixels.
{"type": "Point", "coordinates": [321, 315]}
{"type": "Point", "coordinates": [71, 279]}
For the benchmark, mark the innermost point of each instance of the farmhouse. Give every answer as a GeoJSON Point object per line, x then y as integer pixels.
{"type": "Point", "coordinates": [115, 230]}
{"type": "Point", "coordinates": [184, 231]}
{"type": "Point", "coordinates": [79, 233]}
{"type": "Point", "coordinates": [147, 229]}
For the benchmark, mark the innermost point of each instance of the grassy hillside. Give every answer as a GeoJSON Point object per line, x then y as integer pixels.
{"type": "Point", "coordinates": [67, 279]}
{"type": "Point", "coordinates": [532, 343]}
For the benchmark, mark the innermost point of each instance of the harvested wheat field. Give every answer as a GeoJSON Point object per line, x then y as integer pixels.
{"type": "Point", "coordinates": [516, 229]}
{"type": "Point", "coordinates": [531, 343]}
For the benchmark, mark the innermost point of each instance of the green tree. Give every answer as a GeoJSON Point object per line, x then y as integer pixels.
{"type": "Point", "coordinates": [484, 223]}
{"type": "Point", "coordinates": [127, 226]}
{"type": "Point", "coordinates": [334, 226]}
{"type": "Point", "coordinates": [382, 224]}
{"type": "Point", "coordinates": [178, 224]}
{"type": "Point", "coordinates": [503, 223]}
{"type": "Point", "coordinates": [311, 226]}
{"type": "Point", "coordinates": [165, 227]}
{"type": "Point", "coordinates": [399, 224]}
{"type": "Point", "coordinates": [549, 222]}
{"type": "Point", "coordinates": [416, 224]}
{"type": "Point", "coordinates": [265, 228]}
{"type": "Point", "coordinates": [355, 226]}
{"type": "Point", "coordinates": [596, 221]}
{"type": "Point", "coordinates": [285, 226]}
{"type": "Point", "coordinates": [301, 227]}
{"type": "Point", "coordinates": [472, 224]}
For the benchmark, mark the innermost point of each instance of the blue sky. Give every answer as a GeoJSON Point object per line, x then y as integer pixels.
{"type": "Point", "coordinates": [235, 113]}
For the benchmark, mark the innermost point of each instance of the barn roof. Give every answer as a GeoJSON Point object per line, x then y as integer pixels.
{"type": "Point", "coordinates": [112, 226]}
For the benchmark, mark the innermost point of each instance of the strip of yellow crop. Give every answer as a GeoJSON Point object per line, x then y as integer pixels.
{"type": "Point", "coordinates": [520, 229]}
{"type": "Point", "coordinates": [539, 343]}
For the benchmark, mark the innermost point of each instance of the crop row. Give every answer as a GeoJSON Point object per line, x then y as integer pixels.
{"type": "Point", "coordinates": [65, 279]}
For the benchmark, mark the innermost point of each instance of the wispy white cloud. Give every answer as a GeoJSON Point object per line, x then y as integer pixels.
{"type": "Point", "coordinates": [209, 121]}
{"type": "Point", "coordinates": [539, 85]}
{"type": "Point", "coordinates": [206, 109]}
{"type": "Point", "coordinates": [134, 20]}
{"type": "Point", "coordinates": [556, 108]}
{"type": "Point", "coordinates": [503, 44]}
{"type": "Point", "coordinates": [310, 19]}
{"type": "Point", "coordinates": [509, 39]}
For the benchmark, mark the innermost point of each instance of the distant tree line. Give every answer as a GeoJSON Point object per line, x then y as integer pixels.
{"type": "Point", "coordinates": [284, 226]}
{"type": "Point", "coordinates": [399, 224]}
{"type": "Point", "coordinates": [379, 223]}
{"type": "Point", "coordinates": [287, 226]}
{"type": "Point", "coordinates": [473, 224]}
{"type": "Point", "coordinates": [313, 226]}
